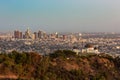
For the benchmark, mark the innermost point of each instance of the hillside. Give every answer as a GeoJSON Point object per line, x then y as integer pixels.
{"type": "Point", "coordinates": [60, 65]}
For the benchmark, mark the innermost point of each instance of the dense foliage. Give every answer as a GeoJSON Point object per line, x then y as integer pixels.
{"type": "Point", "coordinates": [60, 65]}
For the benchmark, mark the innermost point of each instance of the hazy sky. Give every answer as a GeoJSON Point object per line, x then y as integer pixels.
{"type": "Point", "coordinates": [60, 15]}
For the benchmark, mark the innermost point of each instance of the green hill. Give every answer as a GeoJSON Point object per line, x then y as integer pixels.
{"type": "Point", "coordinates": [60, 65]}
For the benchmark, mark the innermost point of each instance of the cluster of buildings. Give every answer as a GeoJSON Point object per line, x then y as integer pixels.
{"type": "Point", "coordinates": [45, 43]}
{"type": "Point", "coordinates": [28, 35]}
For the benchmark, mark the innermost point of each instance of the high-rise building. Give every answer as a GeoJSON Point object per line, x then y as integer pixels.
{"type": "Point", "coordinates": [17, 34]}
{"type": "Point", "coordinates": [36, 35]}
{"type": "Point", "coordinates": [21, 36]}
{"type": "Point", "coordinates": [44, 35]}
{"type": "Point", "coordinates": [28, 35]}
{"type": "Point", "coordinates": [39, 34]}
{"type": "Point", "coordinates": [33, 36]}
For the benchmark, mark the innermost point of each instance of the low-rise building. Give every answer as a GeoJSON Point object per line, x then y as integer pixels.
{"type": "Point", "coordinates": [89, 48]}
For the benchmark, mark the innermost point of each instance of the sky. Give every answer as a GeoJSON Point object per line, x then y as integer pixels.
{"type": "Point", "coordinates": [60, 15]}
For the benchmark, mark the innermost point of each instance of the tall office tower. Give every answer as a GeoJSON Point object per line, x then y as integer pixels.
{"type": "Point", "coordinates": [39, 34]}
{"type": "Point", "coordinates": [44, 35]}
{"type": "Point", "coordinates": [36, 35]}
{"type": "Point", "coordinates": [17, 34]}
{"type": "Point", "coordinates": [33, 36]}
{"type": "Point", "coordinates": [21, 36]}
{"type": "Point", "coordinates": [28, 35]}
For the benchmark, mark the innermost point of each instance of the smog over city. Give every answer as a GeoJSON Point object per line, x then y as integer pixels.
{"type": "Point", "coordinates": [60, 16]}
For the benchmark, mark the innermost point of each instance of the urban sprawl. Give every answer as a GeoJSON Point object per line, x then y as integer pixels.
{"type": "Point", "coordinates": [45, 43]}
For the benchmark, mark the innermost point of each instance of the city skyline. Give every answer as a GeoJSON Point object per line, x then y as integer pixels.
{"type": "Point", "coordinates": [60, 16]}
